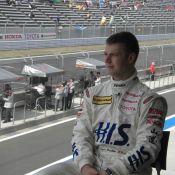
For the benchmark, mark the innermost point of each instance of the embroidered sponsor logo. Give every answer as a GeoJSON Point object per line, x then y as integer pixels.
{"type": "Point", "coordinates": [129, 101]}
{"type": "Point", "coordinates": [155, 114]}
{"type": "Point", "coordinates": [155, 111]}
{"type": "Point", "coordinates": [155, 117]}
{"type": "Point", "coordinates": [155, 122]}
{"type": "Point", "coordinates": [148, 99]}
{"type": "Point", "coordinates": [74, 150]}
{"type": "Point", "coordinates": [121, 152]}
{"type": "Point", "coordinates": [104, 133]}
{"type": "Point", "coordinates": [154, 137]}
{"type": "Point", "coordinates": [132, 94]}
{"type": "Point", "coordinates": [138, 158]}
{"type": "Point", "coordinates": [101, 100]}
{"type": "Point", "coordinates": [112, 150]}
{"type": "Point", "coordinates": [107, 149]}
{"type": "Point", "coordinates": [119, 85]}
{"type": "Point", "coordinates": [128, 108]}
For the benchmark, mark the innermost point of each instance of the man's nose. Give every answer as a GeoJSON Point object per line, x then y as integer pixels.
{"type": "Point", "coordinates": [107, 59]}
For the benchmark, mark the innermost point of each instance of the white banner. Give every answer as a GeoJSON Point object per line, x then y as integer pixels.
{"type": "Point", "coordinates": [13, 36]}
{"type": "Point", "coordinates": [27, 36]}
{"type": "Point", "coordinates": [32, 36]}
{"type": "Point", "coordinates": [48, 35]}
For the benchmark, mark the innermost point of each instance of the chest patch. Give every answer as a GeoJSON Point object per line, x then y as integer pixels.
{"type": "Point", "coordinates": [102, 100]}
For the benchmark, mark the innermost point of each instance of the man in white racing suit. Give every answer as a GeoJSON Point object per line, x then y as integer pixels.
{"type": "Point", "coordinates": [120, 128]}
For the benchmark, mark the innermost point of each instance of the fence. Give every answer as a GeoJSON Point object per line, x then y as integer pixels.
{"type": "Point", "coordinates": [80, 31]}
{"type": "Point", "coordinates": [161, 55]}
{"type": "Point", "coordinates": [57, 43]}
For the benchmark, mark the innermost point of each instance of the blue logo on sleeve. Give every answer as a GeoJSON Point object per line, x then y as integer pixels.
{"type": "Point", "coordinates": [74, 150]}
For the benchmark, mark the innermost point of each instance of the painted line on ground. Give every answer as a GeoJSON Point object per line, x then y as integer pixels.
{"type": "Point", "coordinates": [51, 164]}
{"type": "Point", "coordinates": [169, 123]}
{"type": "Point", "coordinates": [169, 117]}
{"type": "Point", "coordinates": [37, 129]}
{"type": "Point", "coordinates": [166, 91]}
{"type": "Point", "coordinates": [170, 129]}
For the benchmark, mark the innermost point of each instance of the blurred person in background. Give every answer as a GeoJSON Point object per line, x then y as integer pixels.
{"type": "Point", "coordinates": [152, 70]}
{"type": "Point", "coordinates": [89, 15]}
{"type": "Point", "coordinates": [65, 95]}
{"type": "Point", "coordinates": [71, 87]}
{"type": "Point", "coordinates": [41, 89]}
{"type": "Point", "coordinates": [91, 79]}
{"type": "Point", "coordinates": [111, 21]}
{"type": "Point", "coordinates": [98, 79]}
{"type": "Point", "coordinates": [58, 95]}
{"type": "Point", "coordinates": [103, 20]}
{"type": "Point", "coordinates": [8, 98]}
{"type": "Point", "coordinates": [31, 14]}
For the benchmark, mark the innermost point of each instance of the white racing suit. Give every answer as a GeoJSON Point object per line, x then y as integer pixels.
{"type": "Point", "coordinates": [120, 127]}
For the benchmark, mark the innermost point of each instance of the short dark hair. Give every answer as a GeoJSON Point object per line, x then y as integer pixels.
{"type": "Point", "coordinates": [126, 38]}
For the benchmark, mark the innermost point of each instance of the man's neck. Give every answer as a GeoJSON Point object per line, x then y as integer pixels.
{"type": "Point", "coordinates": [124, 76]}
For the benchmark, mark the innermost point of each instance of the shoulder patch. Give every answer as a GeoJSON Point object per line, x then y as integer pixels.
{"type": "Point", "coordinates": [102, 100]}
{"type": "Point", "coordinates": [148, 99]}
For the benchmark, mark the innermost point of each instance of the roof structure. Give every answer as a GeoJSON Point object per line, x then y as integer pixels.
{"type": "Point", "coordinates": [7, 76]}
{"type": "Point", "coordinates": [89, 63]}
{"type": "Point", "coordinates": [41, 70]}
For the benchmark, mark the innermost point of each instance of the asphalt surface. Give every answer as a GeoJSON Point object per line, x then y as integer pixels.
{"type": "Point", "coordinates": [26, 153]}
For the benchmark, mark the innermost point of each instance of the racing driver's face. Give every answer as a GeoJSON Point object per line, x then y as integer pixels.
{"type": "Point", "coordinates": [119, 62]}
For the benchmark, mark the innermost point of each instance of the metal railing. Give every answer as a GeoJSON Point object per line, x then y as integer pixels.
{"type": "Point", "coordinates": [14, 110]}
{"type": "Point", "coordinates": [157, 83]}
{"type": "Point", "coordinates": [37, 105]}
{"type": "Point", "coordinates": [164, 77]}
{"type": "Point", "coordinates": [73, 31]}
{"type": "Point", "coordinates": [161, 55]}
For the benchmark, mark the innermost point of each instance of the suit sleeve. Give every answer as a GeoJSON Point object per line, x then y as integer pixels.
{"type": "Point", "coordinates": [153, 110]}
{"type": "Point", "coordinates": [83, 139]}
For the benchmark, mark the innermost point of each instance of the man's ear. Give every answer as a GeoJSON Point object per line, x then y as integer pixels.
{"type": "Point", "coordinates": [132, 58]}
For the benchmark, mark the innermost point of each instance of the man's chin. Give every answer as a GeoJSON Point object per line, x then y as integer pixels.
{"type": "Point", "coordinates": [110, 72]}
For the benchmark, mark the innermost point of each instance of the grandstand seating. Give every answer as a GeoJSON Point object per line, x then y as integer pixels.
{"type": "Point", "coordinates": [153, 13]}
